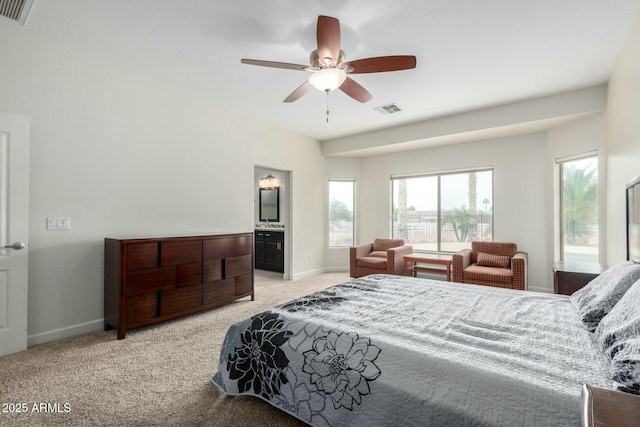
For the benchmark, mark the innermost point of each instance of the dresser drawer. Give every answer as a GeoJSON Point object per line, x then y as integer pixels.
{"type": "Point", "coordinates": [142, 255]}
{"type": "Point", "coordinates": [149, 280]}
{"type": "Point", "coordinates": [211, 270]}
{"type": "Point", "coordinates": [142, 307]}
{"type": "Point", "coordinates": [188, 274]}
{"type": "Point", "coordinates": [180, 299]}
{"type": "Point", "coordinates": [237, 266]}
{"type": "Point", "coordinates": [221, 290]}
{"type": "Point", "coordinates": [244, 284]}
{"type": "Point", "coordinates": [218, 248]}
{"type": "Point", "coordinates": [174, 253]}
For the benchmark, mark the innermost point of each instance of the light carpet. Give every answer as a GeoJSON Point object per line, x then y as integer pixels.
{"type": "Point", "coordinates": [157, 376]}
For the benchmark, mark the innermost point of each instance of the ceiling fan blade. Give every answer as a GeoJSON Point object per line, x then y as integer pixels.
{"type": "Point", "coordinates": [328, 35]}
{"type": "Point", "coordinates": [382, 64]}
{"type": "Point", "coordinates": [274, 64]}
{"type": "Point", "coordinates": [296, 94]}
{"type": "Point", "coordinates": [354, 90]}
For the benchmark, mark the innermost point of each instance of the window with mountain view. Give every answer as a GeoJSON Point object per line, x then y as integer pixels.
{"type": "Point", "coordinates": [443, 212]}
{"type": "Point", "coordinates": [579, 210]}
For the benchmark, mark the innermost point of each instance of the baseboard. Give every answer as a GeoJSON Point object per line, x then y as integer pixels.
{"type": "Point", "coordinates": [308, 273]}
{"type": "Point", "coordinates": [69, 331]}
{"type": "Point", "coordinates": [336, 269]}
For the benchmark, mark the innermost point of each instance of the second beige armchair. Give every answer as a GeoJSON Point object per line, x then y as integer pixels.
{"type": "Point", "coordinates": [383, 256]}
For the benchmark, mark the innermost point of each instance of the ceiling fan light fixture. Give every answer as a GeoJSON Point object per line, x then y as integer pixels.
{"type": "Point", "coordinates": [327, 79]}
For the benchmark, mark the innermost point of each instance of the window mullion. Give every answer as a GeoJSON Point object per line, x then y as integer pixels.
{"type": "Point", "coordinates": [439, 216]}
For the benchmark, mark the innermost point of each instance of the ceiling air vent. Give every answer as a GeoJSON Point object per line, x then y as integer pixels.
{"type": "Point", "coordinates": [388, 109]}
{"type": "Point", "coordinates": [16, 9]}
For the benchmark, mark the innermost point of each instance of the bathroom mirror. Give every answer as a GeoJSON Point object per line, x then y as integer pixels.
{"type": "Point", "coordinates": [270, 204]}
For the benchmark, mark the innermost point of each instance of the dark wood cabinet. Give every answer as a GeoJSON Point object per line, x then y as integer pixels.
{"type": "Point", "coordinates": [568, 277]}
{"type": "Point", "coordinates": [269, 250]}
{"type": "Point", "coordinates": [150, 280]}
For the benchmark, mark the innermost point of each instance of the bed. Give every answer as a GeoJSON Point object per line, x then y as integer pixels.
{"type": "Point", "coordinates": [387, 350]}
{"type": "Point", "coordinates": [383, 350]}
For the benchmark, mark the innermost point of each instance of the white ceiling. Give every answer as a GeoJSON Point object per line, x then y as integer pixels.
{"type": "Point", "coordinates": [470, 53]}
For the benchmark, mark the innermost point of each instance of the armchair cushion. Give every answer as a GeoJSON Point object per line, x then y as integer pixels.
{"type": "Point", "coordinates": [372, 262]}
{"type": "Point", "coordinates": [381, 254]}
{"type": "Point", "coordinates": [491, 260]}
{"type": "Point", "coordinates": [477, 273]}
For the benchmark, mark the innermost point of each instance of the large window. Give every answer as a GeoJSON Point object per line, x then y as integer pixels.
{"type": "Point", "coordinates": [341, 198]}
{"type": "Point", "coordinates": [579, 209]}
{"type": "Point", "coordinates": [443, 212]}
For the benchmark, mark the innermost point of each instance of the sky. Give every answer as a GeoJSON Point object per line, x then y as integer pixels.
{"type": "Point", "coordinates": [422, 192]}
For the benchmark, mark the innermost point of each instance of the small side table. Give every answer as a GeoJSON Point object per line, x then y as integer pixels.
{"type": "Point", "coordinates": [411, 264]}
{"type": "Point", "coordinates": [602, 407]}
{"type": "Point", "coordinates": [569, 276]}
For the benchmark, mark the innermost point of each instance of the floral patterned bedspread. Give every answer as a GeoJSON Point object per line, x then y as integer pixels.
{"type": "Point", "coordinates": [390, 350]}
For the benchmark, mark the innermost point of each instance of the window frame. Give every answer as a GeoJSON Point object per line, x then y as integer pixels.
{"type": "Point", "coordinates": [438, 175]}
{"type": "Point", "coordinates": [353, 212]}
{"type": "Point", "coordinates": [560, 162]}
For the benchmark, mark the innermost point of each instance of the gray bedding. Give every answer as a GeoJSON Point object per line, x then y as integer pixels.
{"type": "Point", "coordinates": [390, 350]}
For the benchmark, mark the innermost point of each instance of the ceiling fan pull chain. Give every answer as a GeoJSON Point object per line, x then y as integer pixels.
{"type": "Point", "coordinates": [327, 106]}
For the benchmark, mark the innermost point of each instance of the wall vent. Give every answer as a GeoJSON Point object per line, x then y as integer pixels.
{"type": "Point", "coordinates": [388, 109]}
{"type": "Point", "coordinates": [16, 9]}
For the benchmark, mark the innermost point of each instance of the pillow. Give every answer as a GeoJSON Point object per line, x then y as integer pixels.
{"type": "Point", "coordinates": [622, 322]}
{"type": "Point", "coordinates": [625, 367]}
{"type": "Point", "coordinates": [384, 244]}
{"type": "Point", "coordinates": [490, 260]}
{"type": "Point", "coordinates": [596, 299]}
{"type": "Point", "coordinates": [618, 334]}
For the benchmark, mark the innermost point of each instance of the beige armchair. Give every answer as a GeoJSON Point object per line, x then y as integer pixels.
{"type": "Point", "coordinates": [383, 256]}
{"type": "Point", "coordinates": [497, 264]}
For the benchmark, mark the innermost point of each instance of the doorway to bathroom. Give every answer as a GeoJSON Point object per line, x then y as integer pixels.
{"type": "Point", "coordinates": [272, 221]}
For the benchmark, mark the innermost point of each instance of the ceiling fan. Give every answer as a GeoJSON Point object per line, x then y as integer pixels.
{"type": "Point", "coordinates": [329, 70]}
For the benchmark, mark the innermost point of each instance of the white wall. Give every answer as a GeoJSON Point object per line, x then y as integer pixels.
{"type": "Point", "coordinates": [520, 185]}
{"type": "Point", "coordinates": [623, 140]}
{"type": "Point", "coordinates": [135, 153]}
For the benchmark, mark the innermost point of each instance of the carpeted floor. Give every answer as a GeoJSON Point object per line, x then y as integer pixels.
{"type": "Point", "coordinates": [157, 376]}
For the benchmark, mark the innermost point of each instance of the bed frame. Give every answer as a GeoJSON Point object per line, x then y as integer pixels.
{"type": "Point", "coordinates": [633, 219]}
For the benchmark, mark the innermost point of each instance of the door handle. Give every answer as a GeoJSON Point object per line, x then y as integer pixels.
{"type": "Point", "coordinates": [17, 246]}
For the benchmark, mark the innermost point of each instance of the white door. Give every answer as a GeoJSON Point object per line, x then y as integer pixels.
{"type": "Point", "coordinates": [14, 231]}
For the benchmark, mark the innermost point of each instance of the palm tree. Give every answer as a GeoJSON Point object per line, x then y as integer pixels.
{"type": "Point", "coordinates": [459, 220]}
{"type": "Point", "coordinates": [473, 210]}
{"type": "Point", "coordinates": [579, 201]}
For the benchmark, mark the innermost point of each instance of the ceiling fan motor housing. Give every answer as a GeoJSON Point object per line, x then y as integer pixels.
{"type": "Point", "coordinates": [318, 62]}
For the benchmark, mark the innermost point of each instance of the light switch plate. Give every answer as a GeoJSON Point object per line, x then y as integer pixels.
{"type": "Point", "coordinates": [59, 223]}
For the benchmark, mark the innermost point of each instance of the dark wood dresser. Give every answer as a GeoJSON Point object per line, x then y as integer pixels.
{"type": "Point", "coordinates": [568, 276]}
{"type": "Point", "coordinates": [149, 280]}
